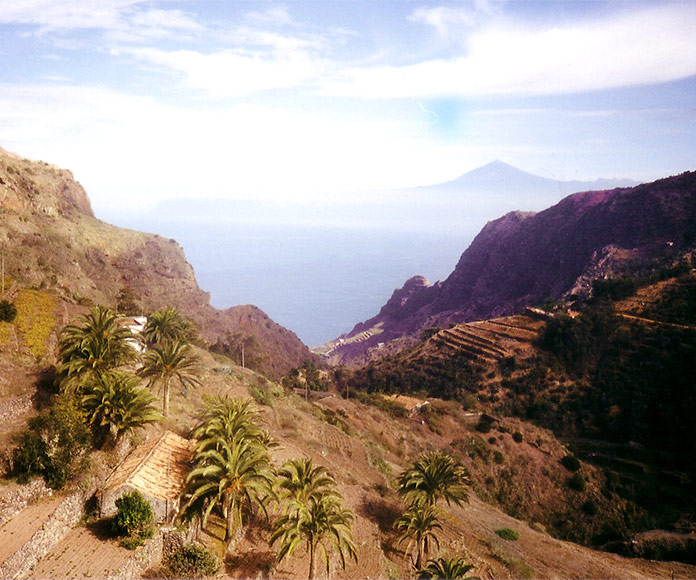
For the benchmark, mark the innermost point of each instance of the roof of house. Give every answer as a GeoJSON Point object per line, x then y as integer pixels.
{"type": "Point", "coordinates": [156, 468]}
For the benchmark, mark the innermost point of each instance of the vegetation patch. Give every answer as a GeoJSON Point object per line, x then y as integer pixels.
{"type": "Point", "coordinates": [134, 520]}
{"type": "Point", "coordinates": [54, 445]}
{"type": "Point", "coordinates": [265, 393]}
{"type": "Point", "coordinates": [35, 320]}
{"type": "Point", "coordinates": [191, 561]}
{"type": "Point", "coordinates": [508, 534]}
{"type": "Point", "coordinates": [570, 462]}
{"type": "Point", "coordinates": [8, 311]}
{"type": "Point", "coordinates": [576, 482]}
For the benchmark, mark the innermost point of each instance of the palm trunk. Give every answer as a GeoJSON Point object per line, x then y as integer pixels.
{"type": "Point", "coordinates": [229, 523]}
{"type": "Point", "coordinates": [419, 554]}
{"type": "Point", "coordinates": [165, 398]}
{"type": "Point", "coordinates": [311, 561]}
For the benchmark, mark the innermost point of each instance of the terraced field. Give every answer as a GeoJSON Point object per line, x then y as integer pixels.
{"type": "Point", "coordinates": [489, 340]}
{"type": "Point", "coordinates": [21, 528]}
{"type": "Point", "coordinates": [84, 553]}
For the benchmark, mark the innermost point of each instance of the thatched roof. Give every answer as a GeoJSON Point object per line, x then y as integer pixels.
{"type": "Point", "coordinates": [157, 468]}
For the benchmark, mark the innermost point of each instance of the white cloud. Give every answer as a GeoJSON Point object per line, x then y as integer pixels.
{"type": "Point", "coordinates": [645, 46]}
{"type": "Point", "coordinates": [277, 16]}
{"type": "Point", "coordinates": [238, 72]}
{"type": "Point", "coordinates": [449, 19]}
{"type": "Point", "coordinates": [155, 25]}
{"type": "Point", "coordinates": [124, 20]}
{"type": "Point", "coordinates": [66, 14]}
{"type": "Point", "coordinates": [129, 151]}
{"type": "Point", "coordinates": [442, 18]}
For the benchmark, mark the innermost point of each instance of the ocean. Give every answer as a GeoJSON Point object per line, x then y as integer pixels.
{"type": "Point", "coordinates": [316, 281]}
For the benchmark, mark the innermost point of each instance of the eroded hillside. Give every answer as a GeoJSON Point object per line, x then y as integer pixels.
{"type": "Point", "coordinates": [53, 244]}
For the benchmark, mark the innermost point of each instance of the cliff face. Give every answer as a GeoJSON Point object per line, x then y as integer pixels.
{"type": "Point", "coordinates": [53, 242]}
{"type": "Point", "coordinates": [522, 259]}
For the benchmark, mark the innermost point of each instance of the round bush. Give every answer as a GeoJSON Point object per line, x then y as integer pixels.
{"type": "Point", "coordinates": [483, 426]}
{"type": "Point", "coordinates": [191, 561]}
{"type": "Point", "coordinates": [8, 311]}
{"type": "Point", "coordinates": [576, 482]}
{"type": "Point", "coordinates": [133, 519]}
{"type": "Point", "coordinates": [571, 463]}
{"type": "Point", "coordinates": [517, 437]}
{"type": "Point", "coordinates": [508, 534]}
{"type": "Point", "coordinates": [590, 508]}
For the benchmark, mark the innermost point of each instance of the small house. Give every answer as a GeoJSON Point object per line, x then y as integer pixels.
{"type": "Point", "coordinates": [157, 469]}
{"type": "Point", "coordinates": [136, 325]}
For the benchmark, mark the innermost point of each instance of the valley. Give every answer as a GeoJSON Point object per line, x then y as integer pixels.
{"type": "Point", "coordinates": [553, 366]}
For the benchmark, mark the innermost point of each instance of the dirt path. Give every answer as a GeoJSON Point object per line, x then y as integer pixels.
{"type": "Point", "coordinates": [24, 524]}
{"type": "Point", "coordinates": [83, 553]}
{"type": "Point", "coordinates": [656, 322]}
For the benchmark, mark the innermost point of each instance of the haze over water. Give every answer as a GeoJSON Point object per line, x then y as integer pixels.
{"type": "Point", "coordinates": [316, 281]}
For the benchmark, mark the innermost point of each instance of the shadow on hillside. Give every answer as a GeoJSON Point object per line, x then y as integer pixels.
{"type": "Point", "coordinates": [250, 563]}
{"type": "Point", "coordinates": [45, 387]}
{"type": "Point", "coordinates": [381, 511]}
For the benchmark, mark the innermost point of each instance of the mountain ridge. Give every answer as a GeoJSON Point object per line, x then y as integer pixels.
{"type": "Point", "coordinates": [53, 243]}
{"type": "Point", "coordinates": [522, 258]}
{"type": "Point", "coordinates": [490, 176]}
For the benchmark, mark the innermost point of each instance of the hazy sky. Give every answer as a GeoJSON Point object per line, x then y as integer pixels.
{"type": "Point", "coordinates": [147, 100]}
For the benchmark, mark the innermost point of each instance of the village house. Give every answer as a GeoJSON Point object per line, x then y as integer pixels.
{"type": "Point", "coordinates": [157, 469]}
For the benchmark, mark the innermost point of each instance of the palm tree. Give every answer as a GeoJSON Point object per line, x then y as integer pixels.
{"type": "Point", "coordinates": [299, 480]}
{"type": "Point", "coordinates": [166, 324]}
{"type": "Point", "coordinates": [116, 404]}
{"type": "Point", "coordinates": [322, 525]}
{"type": "Point", "coordinates": [231, 464]}
{"type": "Point", "coordinates": [97, 345]}
{"type": "Point", "coordinates": [166, 362]}
{"type": "Point", "coordinates": [227, 418]}
{"type": "Point", "coordinates": [417, 526]}
{"type": "Point", "coordinates": [229, 476]}
{"type": "Point", "coordinates": [433, 476]}
{"type": "Point", "coordinates": [446, 568]}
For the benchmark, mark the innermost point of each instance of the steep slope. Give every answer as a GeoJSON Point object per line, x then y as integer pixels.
{"type": "Point", "coordinates": [364, 448]}
{"type": "Point", "coordinates": [522, 259]}
{"type": "Point", "coordinates": [53, 243]}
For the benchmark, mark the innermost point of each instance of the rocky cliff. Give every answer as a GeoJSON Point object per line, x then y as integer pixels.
{"type": "Point", "coordinates": [53, 242]}
{"type": "Point", "coordinates": [523, 259]}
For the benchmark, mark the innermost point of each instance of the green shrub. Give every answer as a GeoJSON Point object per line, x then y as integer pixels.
{"type": "Point", "coordinates": [8, 311]}
{"type": "Point", "coordinates": [517, 437]}
{"type": "Point", "coordinates": [571, 463]}
{"type": "Point", "coordinates": [576, 482]}
{"type": "Point", "coordinates": [191, 561]}
{"type": "Point", "coordinates": [613, 288]}
{"type": "Point", "coordinates": [261, 395]}
{"type": "Point", "coordinates": [483, 426]}
{"type": "Point", "coordinates": [508, 534]}
{"type": "Point", "coordinates": [389, 406]}
{"type": "Point", "coordinates": [469, 401]}
{"type": "Point", "coordinates": [428, 332]}
{"type": "Point", "coordinates": [590, 508]}
{"type": "Point", "coordinates": [54, 445]}
{"type": "Point", "coordinates": [133, 519]}
{"type": "Point", "coordinates": [498, 457]}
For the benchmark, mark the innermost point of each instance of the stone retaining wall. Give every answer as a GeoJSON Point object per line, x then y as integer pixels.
{"type": "Point", "coordinates": [12, 502]}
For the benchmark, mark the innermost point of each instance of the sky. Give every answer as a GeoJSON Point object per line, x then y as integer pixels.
{"type": "Point", "coordinates": [149, 100]}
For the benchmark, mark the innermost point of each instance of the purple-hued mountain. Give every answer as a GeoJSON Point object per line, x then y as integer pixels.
{"type": "Point", "coordinates": [524, 258]}
{"type": "Point", "coordinates": [499, 178]}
